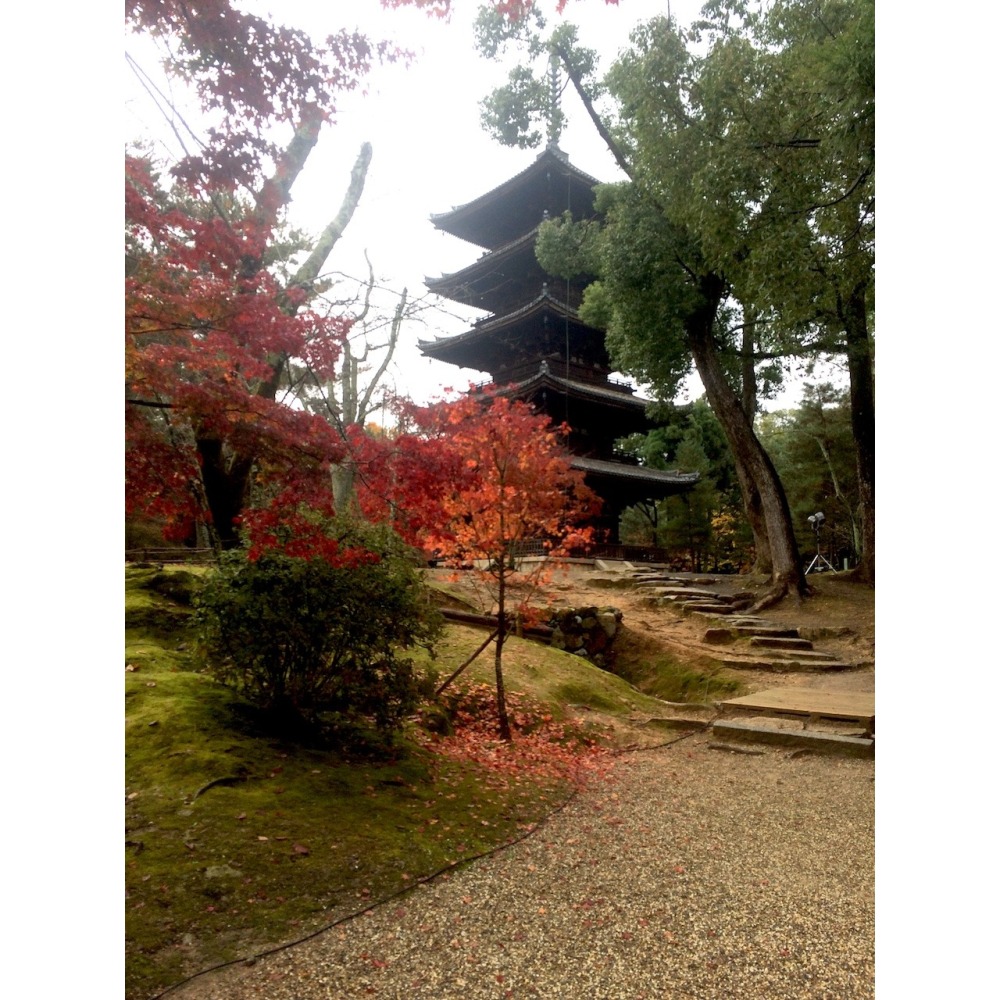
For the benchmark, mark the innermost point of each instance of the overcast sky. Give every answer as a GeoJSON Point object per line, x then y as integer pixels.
{"type": "Point", "coordinates": [429, 152]}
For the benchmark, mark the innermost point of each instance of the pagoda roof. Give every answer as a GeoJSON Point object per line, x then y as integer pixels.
{"type": "Point", "coordinates": [635, 473]}
{"type": "Point", "coordinates": [622, 485]}
{"type": "Point", "coordinates": [623, 396]}
{"type": "Point", "coordinates": [519, 204]}
{"type": "Point", "coordinates": [509, 273]}
{"type": "Point", "coordinates": [469, 349]}
{"type": "Point", "coordinates": [483, 283]}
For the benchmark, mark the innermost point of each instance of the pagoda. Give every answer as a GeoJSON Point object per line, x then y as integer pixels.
{"type": "Point", "coordinates": [533, 343]}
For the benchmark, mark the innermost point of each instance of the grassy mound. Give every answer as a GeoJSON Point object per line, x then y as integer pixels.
{"type": "Point", "coordinates": [236, 841]}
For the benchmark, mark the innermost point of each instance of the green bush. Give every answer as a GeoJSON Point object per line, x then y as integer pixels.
{"type": "Point", "coordinates": [304, 639]}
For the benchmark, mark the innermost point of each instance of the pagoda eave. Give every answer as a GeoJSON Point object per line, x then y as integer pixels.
{"type": "Point", "coordinates": [492, 344]}
{"type": "Point", "coordinates": [623, 485]}
{"type": "Point", "coordinates": [545, 185]}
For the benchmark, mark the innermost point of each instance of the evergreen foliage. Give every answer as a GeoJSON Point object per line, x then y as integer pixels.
{"type": "Point", "coordinates": [303, 636]}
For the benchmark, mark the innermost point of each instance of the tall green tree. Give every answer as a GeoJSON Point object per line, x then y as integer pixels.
{"type": "Point", "coordinates": [763, 145]}
{"type": "Point", "coordinates": [663, 307]}
{"type": "Point", "coordinates": [663, 302]}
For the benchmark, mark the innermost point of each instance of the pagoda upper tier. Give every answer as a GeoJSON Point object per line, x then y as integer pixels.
{"type": "Point", "coordinates": [504, 278]}
{"type": "Point", "coordinates": [511, 345]}
{"type": "Point", "coordinates": [550, 186]}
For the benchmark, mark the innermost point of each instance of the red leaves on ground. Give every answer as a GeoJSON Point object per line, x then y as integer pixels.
{"type": "Point", "coordinates": [544, 750]}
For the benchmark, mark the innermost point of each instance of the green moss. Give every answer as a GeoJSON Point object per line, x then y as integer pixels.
{"type": "Point", "coordinates": [236, 841]}
{"type": "Point", "coordinates": [540, 672]}
{"type": "Point", "coordinates": [671, 680]}
{"type": "Point", "coordinates": [583, 694]}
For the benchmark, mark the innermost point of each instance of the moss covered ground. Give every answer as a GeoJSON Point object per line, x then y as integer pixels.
{"type": "Point", "coordinates": [236, 841]}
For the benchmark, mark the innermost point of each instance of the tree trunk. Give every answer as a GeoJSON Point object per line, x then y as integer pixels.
{"type": "Point", "coordinates": [502, 629]}
{"type": "Point", "coordinates": [860, 366]}
{"type": "Point", "coordinates": [226, 481]}
{"type": "Point", "coordinates": [342, 480]}
{"type": "Point", "coordinates": [751, 497]}
{"type": "Point", "coordinates": [754, 508]}
{"type": "Point", "coordinates": [753, 464]}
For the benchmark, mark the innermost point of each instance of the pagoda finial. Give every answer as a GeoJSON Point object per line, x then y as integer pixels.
{"type": "Point", "coordinates": [555, 112]}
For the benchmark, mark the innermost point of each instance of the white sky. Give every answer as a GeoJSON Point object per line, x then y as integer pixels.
{"type": "Point", "coordinates": [429, 154]}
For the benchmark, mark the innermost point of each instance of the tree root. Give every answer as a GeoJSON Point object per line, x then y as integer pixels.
{"type": "Point", "coordinates": [778, 592]}
{"type": "Point", "coordinates": [232, 779]}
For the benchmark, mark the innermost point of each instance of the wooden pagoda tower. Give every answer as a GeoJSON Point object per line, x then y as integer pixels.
{"type": "Point", "coordinates": [533, 344]}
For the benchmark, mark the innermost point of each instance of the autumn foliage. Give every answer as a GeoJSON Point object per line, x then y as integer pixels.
{"type": "Point", "coordinates": [546, 748]}
{"type": "Point", "coordinates": [217, 315]}
{"type": "Point", "coordinates": [212, 317]}
{"type": "Point", "coordinates": [512, 489]}
{"type": "Point", "coordinates": [208, 329]}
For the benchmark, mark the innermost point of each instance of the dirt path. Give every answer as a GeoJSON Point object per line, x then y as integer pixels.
{"type": "Point", "coordinates": [689, 873]}
{"type": "Point", "coordinates": [840, 616]}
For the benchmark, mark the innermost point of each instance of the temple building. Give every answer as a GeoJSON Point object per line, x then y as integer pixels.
{"type": "Point", "coordinates": [533, 344]}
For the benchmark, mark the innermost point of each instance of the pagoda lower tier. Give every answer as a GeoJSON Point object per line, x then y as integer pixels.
{"type": "Point", "coordinates": [621, 485]}
{"type": "Point", "coordinates": [597, 417]}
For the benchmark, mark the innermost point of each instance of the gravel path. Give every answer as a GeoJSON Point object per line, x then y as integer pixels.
{"type": "Point", "coordinates": [690, 872]}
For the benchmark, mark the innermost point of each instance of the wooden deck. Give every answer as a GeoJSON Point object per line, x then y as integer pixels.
{"type": "Point", "coordinates": [816, 704]}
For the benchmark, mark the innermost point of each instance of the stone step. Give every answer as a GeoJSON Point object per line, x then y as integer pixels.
{"type": "Point", "coordinates": [764, 630]}
{"type": "Point", "coordinates": [721, 635]}
{"type": "Point", "coordinates": [804, 654]}
{"type": "Point", "coordinates": [746, 732]}
{"type": "Point", "coordinates": [709, 616]}
{"type": "Point", "coordinates": [708, 607]}
{"type": "Point", "coordinates": [780, 642]}
{"type": "Point", "coordinates": [686, 593]}
{"type": "Point", "coordinates": [812, 703]}
{"type": "Point", "coordinates": [791, 665]}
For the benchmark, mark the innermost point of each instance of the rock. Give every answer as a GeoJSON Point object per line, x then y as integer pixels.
{"type": "Point", "coordinates": [719, 636]}
{"type": "Point", "coordinates": [609, 619]}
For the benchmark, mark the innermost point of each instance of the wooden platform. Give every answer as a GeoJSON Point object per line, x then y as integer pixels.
{"type": "Point", "coordinates": [816, 704]}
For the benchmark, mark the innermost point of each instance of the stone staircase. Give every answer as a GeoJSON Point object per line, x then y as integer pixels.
{"type": "Point", "coordinates": [804, 717]}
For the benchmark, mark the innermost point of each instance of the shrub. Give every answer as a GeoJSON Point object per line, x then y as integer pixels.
{"type": "Point", "coordinates": [302, 637]}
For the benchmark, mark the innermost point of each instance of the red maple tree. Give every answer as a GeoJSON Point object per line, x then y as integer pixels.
{"type": "Point", "coordinates": [212, 323]}
{"type": "Point", "coordinates": [515, 495]}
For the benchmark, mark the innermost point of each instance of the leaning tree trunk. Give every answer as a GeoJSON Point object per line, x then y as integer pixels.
{"type": "Point", "coordinates": [860, 366]}
{"type": "Point", "coordinates": [753, 464]}
{"type": "Point", "coordinates": [751, 497]}
{"type": "Point", "coordinates": [753, 507]}
{"type": "Point", "coordinates": [226, 479]}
